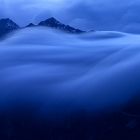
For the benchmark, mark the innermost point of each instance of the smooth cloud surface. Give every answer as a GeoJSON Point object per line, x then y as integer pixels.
{"type": "Point", "coordinates": [53, 71]}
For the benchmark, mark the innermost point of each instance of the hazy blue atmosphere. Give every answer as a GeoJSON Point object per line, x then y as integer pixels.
{"type": "Point", "coordinates": [119, 15]}
{"type": "Point", "coordinates": [76, 82]}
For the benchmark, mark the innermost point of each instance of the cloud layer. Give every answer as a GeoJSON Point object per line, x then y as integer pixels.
{"type": "Point", "coordinates": [50, 71]}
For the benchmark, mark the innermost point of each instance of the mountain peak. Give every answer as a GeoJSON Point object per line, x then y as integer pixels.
{"type": "Point", "coordinates": [30, 25]}
{"type": "Point", "coordinates": [5, 23]}
{"type": "Point", "coordinates": [6, 26]}
{"type": "Point", "coordinates": [52, 18]}
{"type": "Point", "coordinates": [50, 22]}
{"type": "Point", "coordinates": [53, 23]}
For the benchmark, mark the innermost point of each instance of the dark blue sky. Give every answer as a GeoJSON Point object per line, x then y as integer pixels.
{"type": "Point", "coordinates": [120, 15]}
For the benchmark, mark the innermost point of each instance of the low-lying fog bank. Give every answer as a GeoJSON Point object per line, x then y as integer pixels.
{"type": "Point", "coordinates": [52, 74]}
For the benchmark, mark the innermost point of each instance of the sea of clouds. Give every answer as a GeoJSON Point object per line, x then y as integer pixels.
{"type": "Point", "coordinates": [50, 71]}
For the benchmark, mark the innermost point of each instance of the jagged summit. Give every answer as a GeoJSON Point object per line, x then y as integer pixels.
{"type": "Point", "coordinates": [52, 19]}
{"type": "Point", "coordinates": [50, 22]}
{"type": "Point", "coordinates": [6, 26]}
{"type": "Point", "coordinates": [53, 23]}
{"type": "Point", "coordinates": [30, 25]}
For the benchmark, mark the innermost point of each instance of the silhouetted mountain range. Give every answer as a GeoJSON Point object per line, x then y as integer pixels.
{"type": "Point", "coordinates": [7, 25]}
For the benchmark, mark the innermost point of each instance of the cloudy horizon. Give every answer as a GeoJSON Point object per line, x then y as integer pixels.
{"type": "Point", "coordinates": [86, 15]}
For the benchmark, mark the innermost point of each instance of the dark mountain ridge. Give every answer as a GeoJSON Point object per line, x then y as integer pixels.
{"type": "Point", "coordinates": [7, 26]}
{"type": "Point", "coordinates": [53, 23]}
{"type": "Point", "coordinates": [120, 124]}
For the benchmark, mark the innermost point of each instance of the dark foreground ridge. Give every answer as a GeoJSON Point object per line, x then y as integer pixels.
{"type": "Point", "coordinates": [7, 26]}
{"type": "Point", "coordinates": [21, 124]}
